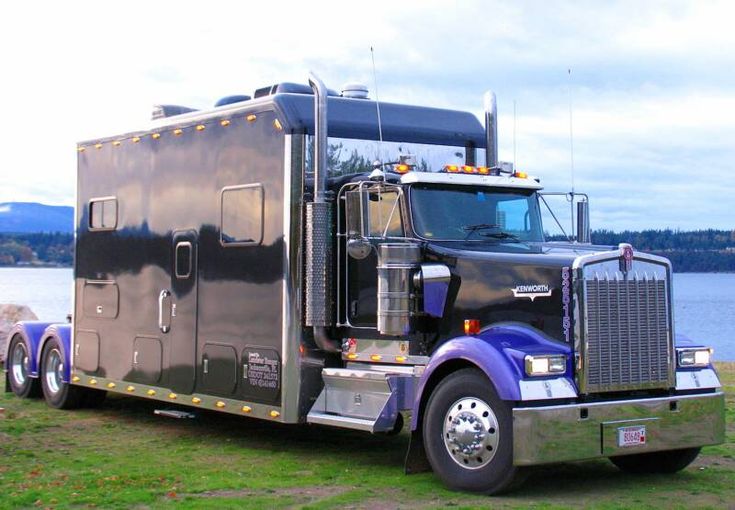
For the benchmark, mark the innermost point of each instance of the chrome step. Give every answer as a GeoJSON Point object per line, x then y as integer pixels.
{"type": "Point", "coordinates": [363, 398]}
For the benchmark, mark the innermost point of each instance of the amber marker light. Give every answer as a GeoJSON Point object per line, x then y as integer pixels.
{"type": "Point", "coordinates": [151, 393]}
{"type": "Point", "coordinates": [156, 136]}
{"type": "Point", "coordinates": [277, 125]}
{"type": "Point", "coordinates": [468, 169]}
{"type": "Point", "coordinates": [111, 385]}
{"type": "Point", "coordinates": [483, 170]}
{"type": "Point", "coordinates": [220, 404]}
{"type": "Point", "coordinates": [375, 357]}
{"type": "Point", "coordinates": [471, 326]}
{"type": "Point", "coordinates": [224, 123]}
{"type": "Point", "coordinates": [352, 355]}
{"type": "Point", "coordinates": [75, 379]}
{"type": "Point", "coordinates": [274, 414]}
{"type": "Point", "coordinates": [401, 359]}
{"type": "Point", "coordinates": [172, 396]}
{"type": "Point", "coordinates": [93, 382]}
{"type": "Point", "coordinates": [130, 389]}
{"type": "Point", "coordinates": [246, 409]}
{"type": "Point", "coordinates": [80, 149]}
{"type": "Point", "coordinates": [136, 139]}
{"type": "Point", "coordinates": [520, 175]}
{"type": "Point", "coordinates": [251, 117]}
{"type": "Point", "coordinates": [452, 169]}
{"type": "Point", "coordinates": [98, 146]}
{"type": "Point", "coordinates": [402, 168]}
{"type": "Point", "coordinates": [201, 127]}
{"type": "Point", "coordinates": [177, 131]}
{"type": "Point", "coordinates": [196, 400]}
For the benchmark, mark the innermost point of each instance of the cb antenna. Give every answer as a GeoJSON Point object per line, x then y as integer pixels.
{"type": "Point", "coordinates": [377, 101]}
{"type": "Point", "coordinates": [515, 161]}
{"type": "Point", "coordinates": [571, 131]}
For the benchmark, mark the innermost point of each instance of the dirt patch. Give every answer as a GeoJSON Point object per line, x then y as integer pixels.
{"type": "Point", "coordinates": [303, 495]}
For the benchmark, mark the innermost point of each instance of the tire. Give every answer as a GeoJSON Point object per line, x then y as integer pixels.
{"type": "Point", "coordinates": [58, 394]}
{"type": "Point", "coordinates": [669, 461]}
{"type": "Point", "coordinates": [18, 367]}
{"type": "Point", "coordinates": [468, 435]}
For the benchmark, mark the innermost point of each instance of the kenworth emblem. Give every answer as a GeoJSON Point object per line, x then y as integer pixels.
{"type": "Point", "coordinates": [531, 291]}
{"type": "Point", "coordinates": [626, 257]}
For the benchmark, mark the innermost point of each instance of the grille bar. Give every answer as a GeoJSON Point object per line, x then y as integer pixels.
{"type": "Point", "coordinates": [627, 333]}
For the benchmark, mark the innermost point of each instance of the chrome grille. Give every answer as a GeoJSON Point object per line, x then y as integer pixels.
{"type": "Point", "coordinates": [627, 333]}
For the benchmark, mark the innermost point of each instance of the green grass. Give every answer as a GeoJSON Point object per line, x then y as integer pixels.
{"type": "Point", "coordinates": [122, 456]}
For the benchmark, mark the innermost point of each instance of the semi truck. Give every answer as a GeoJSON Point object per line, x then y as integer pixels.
{"type": "Point", "coordinates": [312, 256]}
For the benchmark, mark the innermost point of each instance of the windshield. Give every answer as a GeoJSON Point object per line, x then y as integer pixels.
{"type": "Point", "coordinates": [475, 213]}
{"type": "Point", "coordinates": [348, 156]}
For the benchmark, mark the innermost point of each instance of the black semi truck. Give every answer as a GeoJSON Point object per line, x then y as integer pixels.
{"type": "Point", "coordinates": [312, 256]}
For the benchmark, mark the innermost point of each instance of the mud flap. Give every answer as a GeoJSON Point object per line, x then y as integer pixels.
{"type": "Point", "coordinates": [416, 461]}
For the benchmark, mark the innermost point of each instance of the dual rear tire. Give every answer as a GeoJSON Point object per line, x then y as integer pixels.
{"type": "Point", "coordinates": [50, 383]}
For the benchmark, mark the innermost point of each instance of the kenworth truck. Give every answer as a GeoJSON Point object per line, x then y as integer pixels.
{"type": "Point", "coordinates": [309, 256]}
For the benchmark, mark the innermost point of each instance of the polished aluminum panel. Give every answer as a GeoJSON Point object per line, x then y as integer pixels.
{"type": "Point", "coordinates": [543, 435]}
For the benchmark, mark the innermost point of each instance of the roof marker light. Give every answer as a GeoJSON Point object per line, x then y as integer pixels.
{"type": "Point", "coordinates": [452, 169]}
{"type": "Point", "coordinates": [468, 169]}
{"type": "Point", "coordinates": [520, 175]}
{"type": "Point", "coordinates": [483, 170]}
{"type": "Point", "coordinates": [402, 168]}
{"type": "Point", "coordinates": [471, 326]}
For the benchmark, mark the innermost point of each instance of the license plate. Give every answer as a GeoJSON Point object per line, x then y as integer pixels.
{"type": "Point", "coordinates": [632, 436]}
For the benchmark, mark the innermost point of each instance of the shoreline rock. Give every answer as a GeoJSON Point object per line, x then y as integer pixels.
{"type": "Point", "coordinates": [9, 315]}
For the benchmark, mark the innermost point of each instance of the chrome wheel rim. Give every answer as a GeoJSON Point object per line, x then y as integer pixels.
{"type": "Point", "coordinates": [471, 433]}
{"type": "Point", "coordinates": [53, 371]}
{"type": "Point", "coordinates": [19, 363]}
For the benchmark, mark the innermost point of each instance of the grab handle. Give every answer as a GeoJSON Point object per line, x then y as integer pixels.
{"type": "Point", "coordinates": [164, 323]}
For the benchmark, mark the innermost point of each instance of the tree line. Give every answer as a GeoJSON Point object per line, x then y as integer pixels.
{"type": "Point", "coordinates": [689, 251]}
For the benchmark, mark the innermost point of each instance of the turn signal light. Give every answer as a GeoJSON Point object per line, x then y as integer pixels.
{"type": "Point", "coordinates": [471, 326]}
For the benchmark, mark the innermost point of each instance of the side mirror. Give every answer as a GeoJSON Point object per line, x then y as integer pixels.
{"type": "Point", "coordinates": [583, 222]}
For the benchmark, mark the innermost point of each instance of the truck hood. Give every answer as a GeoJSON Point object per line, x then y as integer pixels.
{"type": "Point", "coordinates": [519, 282]}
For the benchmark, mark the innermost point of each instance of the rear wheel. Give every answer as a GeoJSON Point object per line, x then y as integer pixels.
{"type": "Point", "coordinates": [669, 461]}
{"type": "Point", "coordinates": [58, 394]}
{"type": "Point", "coordinates": [468, 435]}
{"type": "Point", "coordinates": [19, 369]}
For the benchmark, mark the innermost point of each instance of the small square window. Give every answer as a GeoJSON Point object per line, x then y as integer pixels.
{"type": "Point", "coordinates": [103, 213]}
{"type": "Point", "coordinates": [242, 215]}
{"type": "Point", "coordinates": [183, 259]}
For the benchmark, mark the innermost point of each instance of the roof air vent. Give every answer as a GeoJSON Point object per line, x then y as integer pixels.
{"type": "Point", "coordinates": [355, 90]}
{"type": "Point", "coordinates": [232, 99]}
{"type": "Point", "coordinates": [161, 111]}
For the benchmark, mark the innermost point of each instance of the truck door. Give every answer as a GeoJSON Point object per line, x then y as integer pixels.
{"type": "Point", "coordinates": [178, 312]}
{"type": "Point", "coordinates": [378, 214]}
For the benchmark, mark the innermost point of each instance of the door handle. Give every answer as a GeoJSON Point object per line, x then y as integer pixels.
{"type": "Point", "coordinates": [161, 298]}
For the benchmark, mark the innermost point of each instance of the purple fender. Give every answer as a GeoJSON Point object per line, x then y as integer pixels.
{"type": "Point", "coordinates": [31, 332]}
{"type": "Point", "coordinates": [62, 333]}
{"type": "Point", "coordinates": [499, 351]}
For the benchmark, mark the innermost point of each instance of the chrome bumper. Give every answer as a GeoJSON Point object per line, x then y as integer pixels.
{"type": "Point", "coordinates": [543, 435]}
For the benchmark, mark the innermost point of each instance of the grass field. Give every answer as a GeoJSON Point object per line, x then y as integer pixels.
{"type": "Point", "coordinates": [122, 456]}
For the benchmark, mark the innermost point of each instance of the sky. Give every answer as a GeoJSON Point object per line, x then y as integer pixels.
{"type": "Point", "coordinates": [651, 85]}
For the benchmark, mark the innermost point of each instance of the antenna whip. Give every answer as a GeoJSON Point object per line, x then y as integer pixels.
{"type": "Point", "coordinates": [377, 101]}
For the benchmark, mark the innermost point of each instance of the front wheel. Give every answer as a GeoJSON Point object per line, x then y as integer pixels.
{"type": "Point", "coordinates": [468, 435]}
{"type": "Point", "coordinates": [19, 372]}
{"type": "Point", "coordinates": [669, 461]}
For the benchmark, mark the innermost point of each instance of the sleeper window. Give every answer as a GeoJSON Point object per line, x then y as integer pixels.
{"type": "Point", "coordinates": [242, 215]}
{"type": "Point", "coordinates": [103, 213]}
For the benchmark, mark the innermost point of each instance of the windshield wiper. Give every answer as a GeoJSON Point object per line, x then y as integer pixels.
{"type": "Point", "coordinates": [478, 226]}
{"type": "Point", "coordinates": [501, 235]}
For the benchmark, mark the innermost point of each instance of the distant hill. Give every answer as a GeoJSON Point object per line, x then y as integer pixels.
{"type": "Point", "coordinates": [32, 217]}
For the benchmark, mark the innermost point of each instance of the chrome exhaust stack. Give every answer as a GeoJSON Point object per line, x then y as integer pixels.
{"type": "Point", "coordinates": [319, 301]}
{"type": "Point", "coordinates": [491, 128]}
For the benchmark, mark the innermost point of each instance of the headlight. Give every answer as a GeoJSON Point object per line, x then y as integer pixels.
{"type": "Point", "coordinates": [546, 364]}
{"type": "Point", "coordinates": [696, 357]}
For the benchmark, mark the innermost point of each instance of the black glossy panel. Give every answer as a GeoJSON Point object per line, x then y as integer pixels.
{"type": "Point", "coordinates": [100, 299]}
{"type": "Point", "coordinates": [219, 369]}
{"type": "Point", "coordinates": [87, 350]}
{"type": "Point", "coordinates": [146, 362]}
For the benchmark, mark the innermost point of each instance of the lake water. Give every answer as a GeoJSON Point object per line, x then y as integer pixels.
{"type": "Point", "coordinates": [704, 303]}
